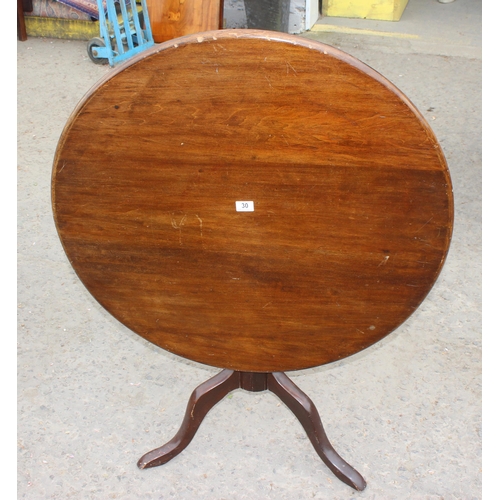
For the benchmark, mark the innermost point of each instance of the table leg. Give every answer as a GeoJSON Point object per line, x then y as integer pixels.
{"type": "Point", "coordinates": [208, 394]}
{"type": "Point", "coordinates": [202, 400]}
{"type": "Point", "coordinates": [305, 410]}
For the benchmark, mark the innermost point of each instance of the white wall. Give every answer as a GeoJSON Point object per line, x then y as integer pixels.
{"type": "Point", "coordinates": [297, 22]}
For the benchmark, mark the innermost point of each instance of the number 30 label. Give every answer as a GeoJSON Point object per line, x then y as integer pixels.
{"type": "Point", "coordinates": [244, 206]}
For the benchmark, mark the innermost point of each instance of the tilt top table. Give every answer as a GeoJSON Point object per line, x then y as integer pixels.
{"type": "Point", "coordinates": [253, 201]}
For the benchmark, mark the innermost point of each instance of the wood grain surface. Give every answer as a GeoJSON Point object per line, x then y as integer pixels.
{"type": "Point", "coordinates": [353, 204]}
{"type": "Point", "coordinates": [175, 18]}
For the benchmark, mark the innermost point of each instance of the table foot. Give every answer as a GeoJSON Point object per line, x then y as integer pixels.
{"type": "Point", "coordinates": [202, 400]}
{"type": "Point", "coordinates": [307, 414]}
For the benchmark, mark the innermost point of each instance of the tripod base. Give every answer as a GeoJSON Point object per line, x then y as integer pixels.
{"type": "Point", "coordinates": [208, 394]}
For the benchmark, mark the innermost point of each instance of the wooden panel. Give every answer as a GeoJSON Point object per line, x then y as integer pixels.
{"type": "Point", "coordinates": [352, 198]}
{"type": "Point", "coordinates": [175, 18]}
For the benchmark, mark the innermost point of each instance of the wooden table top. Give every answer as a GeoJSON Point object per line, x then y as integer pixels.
{"type": "Point", "coordinates": [351, 195]}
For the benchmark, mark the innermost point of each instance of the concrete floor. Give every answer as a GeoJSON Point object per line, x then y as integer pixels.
{"type": "Point", "coordinates": [93, 396]}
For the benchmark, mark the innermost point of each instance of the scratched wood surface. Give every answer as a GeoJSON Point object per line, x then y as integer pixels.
{"type": "Point", "coordinates": [174, 18]}
{"type": "Point", "coordinates": [353, 206]}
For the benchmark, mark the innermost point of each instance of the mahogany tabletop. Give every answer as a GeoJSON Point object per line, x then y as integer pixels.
{"type": "Point", "coordinates": [252, 200]}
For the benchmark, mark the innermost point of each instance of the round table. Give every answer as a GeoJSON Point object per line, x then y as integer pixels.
{"type": "Point", "coordinates": [254, 201]}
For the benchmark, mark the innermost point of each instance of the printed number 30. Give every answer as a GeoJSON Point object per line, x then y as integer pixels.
{"type": "Point", "coordinates": [244, 206]}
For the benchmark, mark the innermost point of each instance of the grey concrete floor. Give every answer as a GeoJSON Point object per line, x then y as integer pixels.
{"type": "Point", "coordinates": [93, 396]}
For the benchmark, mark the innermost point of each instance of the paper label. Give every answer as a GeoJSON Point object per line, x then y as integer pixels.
{"type": "Point", "coordinates": [244, 206]}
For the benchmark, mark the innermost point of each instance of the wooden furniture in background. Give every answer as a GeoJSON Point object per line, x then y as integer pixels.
{"type": "Point", "coordinates": [257, 202]}
{"type": "Point", "coordinates": [175, 18]}
{"type": "Point", "coordinates": [22, 7]}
